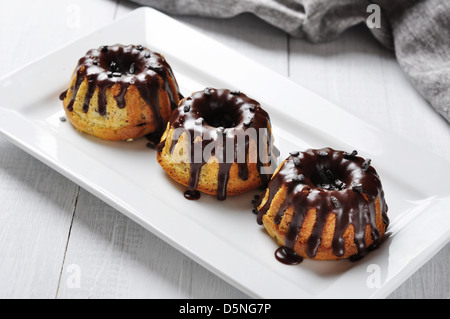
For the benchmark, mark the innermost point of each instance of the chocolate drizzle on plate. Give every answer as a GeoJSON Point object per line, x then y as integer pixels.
{"type": "Point", "coordinates": [220, 120]}
{"type": "Point", "coordinates": [287, 256]}
{"type": "Point", "coordinates": [192, 195]}
{"type": "Point", "coordinates": [124, 65]}
{"type": "Point", "coordinates": [332, 182]}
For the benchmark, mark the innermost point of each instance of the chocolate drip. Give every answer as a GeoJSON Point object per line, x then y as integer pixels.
{"type": "Point", "coordinates": [287, 256]}
{"type": "Point", "coordinates": [192, 195]}
{"type": "Point", "coordinates": [124, 65]}
{"type": "Point", "coordinates": [223, 118]}
{"type": "Point", "coordinates": [331, 182]}
{"type": "Point", "coordinates": [63, 94]}
{"type": "Point", "coordinates": [120, 98]}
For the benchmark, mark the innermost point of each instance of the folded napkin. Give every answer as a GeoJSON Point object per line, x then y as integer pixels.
{"type": "Point", "coordinates": [417, 30]}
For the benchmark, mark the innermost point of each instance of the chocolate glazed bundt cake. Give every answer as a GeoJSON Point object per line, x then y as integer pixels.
{"type": "Point", "coordinates": [218, 142]}
{"type": "Point", "coordinates": [121, 92]}
{"type": "Point", "coordinates": [324, 204]}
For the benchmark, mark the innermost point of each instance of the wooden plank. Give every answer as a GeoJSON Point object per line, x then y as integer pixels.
{"type": "Point", "coordinates": [36, 214]}
{"type": "Point", "coordinates": [429, 282]}
{"type": "Point", "coordinates": [362, 77]}
{"type": "Point", "coordinates": [37, 202]}
{"type": "Point", "coordinates": [31, 29]}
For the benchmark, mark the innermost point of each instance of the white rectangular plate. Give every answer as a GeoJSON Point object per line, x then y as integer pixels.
{"type": "Point", "coordinates": [225, 237]}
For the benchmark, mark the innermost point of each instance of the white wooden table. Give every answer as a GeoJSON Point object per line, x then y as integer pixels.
{"type": "Point", "coordinates": [51, 230]}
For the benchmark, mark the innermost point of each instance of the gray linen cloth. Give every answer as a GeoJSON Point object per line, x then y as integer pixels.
{"type": "Point", "coordinates": [417, 30]}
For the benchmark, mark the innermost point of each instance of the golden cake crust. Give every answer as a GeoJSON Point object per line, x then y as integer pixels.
{"type": "Point", "coordinates": [324, 205]}
{"type": "Point", "coordinates": [133, 121]}
{"type": "Point", "coordinates": [113, 107]}
{"type": "Point", "coordinates": [325, 249]}
{"type": "Point", "coordinates": [178, 168]}
{"type": "Point", "coordinates": [232, 122]}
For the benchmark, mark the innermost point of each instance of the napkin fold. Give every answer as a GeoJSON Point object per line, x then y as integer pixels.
{"type": "Point", "coordinates": [417, 30]}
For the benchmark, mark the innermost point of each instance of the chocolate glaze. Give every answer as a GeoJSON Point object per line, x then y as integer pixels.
{"type": "Point", "coordinates": [328, 181]}
{"type": "Point", "coordinates": [222, 117]}
{"type": "Point", "coordinates": [124, 65]}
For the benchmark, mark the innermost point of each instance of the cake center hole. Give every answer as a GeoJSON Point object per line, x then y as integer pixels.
{"type": "Point", "coordinates": [124, 65]}
{"type": "Point", "coordinates": [328, 179]}
{"type": "Point", "coordinates": [222, 118]}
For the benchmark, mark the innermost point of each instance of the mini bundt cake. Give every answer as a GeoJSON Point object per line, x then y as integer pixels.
{"type": "Point", "coordinates": [121, 92]}
{"type": "Point", "coordinates": [324, 204]}
{"type": "Point", "coordinates": [218, 142]}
